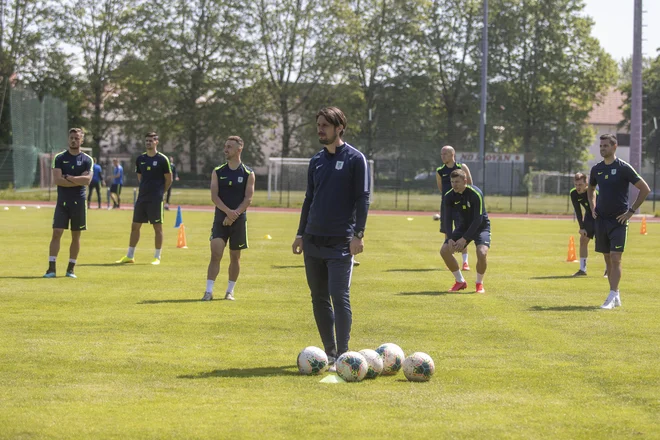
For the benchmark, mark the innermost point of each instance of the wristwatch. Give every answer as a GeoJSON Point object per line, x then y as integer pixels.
{"type": "Point", "coordinates": [359, 234]}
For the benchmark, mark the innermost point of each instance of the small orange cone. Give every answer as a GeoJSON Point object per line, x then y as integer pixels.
{"type": "Point", "coordinates": [643, 230]}
{"type": "Point", "coordinates": [181, 238]}
{"type": "Point", "coordinates": [572, 257]}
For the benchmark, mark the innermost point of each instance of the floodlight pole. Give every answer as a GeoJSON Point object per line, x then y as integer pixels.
{"type": "Point", "coordinates": [484, 92]}
{"type": "Point", "coordinates": [636, 101]}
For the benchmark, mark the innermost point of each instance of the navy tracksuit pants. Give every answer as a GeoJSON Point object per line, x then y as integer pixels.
{"type": "Point", "coordinates": [329, 266]}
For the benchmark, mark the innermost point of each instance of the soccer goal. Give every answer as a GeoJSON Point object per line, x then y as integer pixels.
{"type": "Point", "coordinates": [288, 174]}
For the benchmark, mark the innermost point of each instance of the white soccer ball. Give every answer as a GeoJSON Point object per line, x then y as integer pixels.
{"type": "Point", "coordinates": [352, 366]}
{"type": "Point", "coordinates": [312, 360]}
{"type": "Point", "coordinates": [392, 356]}
{"type": "Point", "coordinates": [436, 217]}
{"type": "Point", "coordinates": [375, 363]}
{"type": "Point", "coordinates": [418, 367]}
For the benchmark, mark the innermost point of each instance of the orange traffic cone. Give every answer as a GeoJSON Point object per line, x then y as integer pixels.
{"type": "Point", "coordinates": [181, 238]}
{"type": "Point", "coordinates": [643, 230]}
{"type": "Point", "coordinates": [572, 257]}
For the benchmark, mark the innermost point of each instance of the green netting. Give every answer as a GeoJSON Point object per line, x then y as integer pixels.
{"type": "Point", "coordinates": [39, 128]}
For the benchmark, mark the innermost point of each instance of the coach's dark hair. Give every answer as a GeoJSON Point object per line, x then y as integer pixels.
{"type": "Point", "coordinates": [334, 116]}
{"type": "Point", "coordinates": [609, 137]}
{"type": "Point", "coordinates": [236, 139]}
{"type": "Point", "coordinates": [77, 130]}
{"type": "Point", "coordinates": [152, 134]}
{"type": "Point", "coordinates": [580, 176]}
{"type": "Point", "coordinates": [458, 173]}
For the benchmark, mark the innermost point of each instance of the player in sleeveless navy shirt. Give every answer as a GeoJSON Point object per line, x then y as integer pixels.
{"type": "Point", "coordinates": [611, 211]}
{"type": "Point", "coordinates": [232, 188]}
{"type": "Point", "coordinates": [73, 170]}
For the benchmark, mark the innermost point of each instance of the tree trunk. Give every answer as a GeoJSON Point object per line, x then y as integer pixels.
{"type": "Point", "coordinates": [286, 126]}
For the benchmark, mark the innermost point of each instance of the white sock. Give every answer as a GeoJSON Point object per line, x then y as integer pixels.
{"type": "Point", "coordinates": [465, 257]}
{"type": "Point", "coordinates": [71, 260]}
{"type": "Point", "coordinates": [52, 259]}
{"type": "Point", "coordinates": [209, 285]}
{"type": "Point", "coordinates": [583, 264]}
{"type": "Point", "coordinates": [131, 252]}
{"type": "Point", "coordinates": [480, 278]}
{"type": "Point", "coordinates": [157, 253]}
{"type": "Point", "coordinates": [459, 276]}
{"type": "Point", "coordinates": [230, 286]}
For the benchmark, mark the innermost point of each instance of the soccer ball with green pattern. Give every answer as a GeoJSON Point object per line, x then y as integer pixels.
{"type": "Point", "coordinates": [392, 356]}
{"type": "Point", "coordinates": [312, 360]}
{"type": "Point", "coordinates": [418, 367]}
{"type": "Point", "coordinates": [375, 363]}
{"type": "Point", "coordinates": [352, 366]}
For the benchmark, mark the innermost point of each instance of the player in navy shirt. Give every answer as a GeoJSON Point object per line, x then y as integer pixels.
{"type": "Point", "coordinates": [331, 228]}
{"type": "Point", "coordinates": [73, 170]}
{"type": "Point", "coordinates": [611, 210]}
{"type": "Point", "coordinates": [96, 183]}
{"type": "Point", "coordinates": [449, 164]}
{"type": "Point", "coordinates": [585, 219]}
{"type": "Point", "coordinates": [154, 176]}
{"type": "Point", "coordinates": [232, 187]}
{"type": "Point", "coordinates": [464, 219]}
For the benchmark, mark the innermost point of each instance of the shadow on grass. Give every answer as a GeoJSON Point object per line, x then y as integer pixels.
{"type": "Point", "coordinates": [298, 266]}
{"type": "Point", "coordinates": [553, 277]}
{"type": "Point", "coordinates": [111, 264]}
{"type": "Point", "coordinates": [36, 277]}
{"type": "Point", "coordinates": [284, 370]}
{"type": "Point", "coordinates": [434, 293]}
{"type": "Point", "coordinates": [413, 270]}
{"type": "Point", "coordinates": [563, 308]}
{"type": "Point", "coordinates": [169, 301]}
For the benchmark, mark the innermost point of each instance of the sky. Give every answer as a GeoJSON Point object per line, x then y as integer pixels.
{"type": "Point", "coordinates": [614, 26]}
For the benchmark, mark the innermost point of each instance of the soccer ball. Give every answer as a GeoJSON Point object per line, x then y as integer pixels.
{"type": "Point", "coordinates": [312, 360]}
{"type": "Point", "coordinates": [352, 366]}
{"type": "Point", "coordinates": [375, 363]}
{"type": "Point", "coordinates": [392, 356]}
{"type": "Point", "coordinates": [418, 367]}
{"type": "Point", "coordinates": [436, 217]}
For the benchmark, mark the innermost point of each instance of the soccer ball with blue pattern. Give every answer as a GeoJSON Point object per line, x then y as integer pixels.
{"type": "Point", "coordinates": [392, 356]}
{"type": "Point", "coordinates": [418, 367]}
{"type": "Point", "coordinates": [352, 366]}
{"type": "Point", "coordinates": [312, 360]}
{"type": "Point", "coordinates": [375, 363]}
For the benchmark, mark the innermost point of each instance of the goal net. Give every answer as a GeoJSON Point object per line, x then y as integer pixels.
{"type": "Point", "coordinates": [289, 174]}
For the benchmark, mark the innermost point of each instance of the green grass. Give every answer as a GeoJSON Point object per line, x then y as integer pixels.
{"type": "Point", "coordinates": [131, 352]}
{"type": "Point", "coordinates": [382, 200]}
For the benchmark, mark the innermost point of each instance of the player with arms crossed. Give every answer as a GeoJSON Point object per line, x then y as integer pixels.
{"type": "Point", "coordinates": [331, 228]}
{"type": "Point", "coordinates": [463, 208]}
{"type": "Point", "coordinates": [585, 221]}
{"type": "Point", "coordinates": [232, 188]}
{"type": "Point", "coordinates": [443, 180]}
{"type": "Point", "coordinates": [72, 172]}
{"type": "Point", "coordinates": [611, 210]}
{"type": "Point", "coordinates": [154, 176]}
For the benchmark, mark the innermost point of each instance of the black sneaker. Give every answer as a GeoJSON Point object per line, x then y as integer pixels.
{"type": "Point", "coordinates": [580, 273]}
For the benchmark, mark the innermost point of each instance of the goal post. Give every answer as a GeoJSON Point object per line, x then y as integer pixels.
{"type": "Point", "coordinates": [290, 174]}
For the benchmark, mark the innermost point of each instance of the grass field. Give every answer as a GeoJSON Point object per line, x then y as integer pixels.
{"type": "Point", "coordinates": [131, 352]}
{"type": "Point", "coordinates": [381, 200]}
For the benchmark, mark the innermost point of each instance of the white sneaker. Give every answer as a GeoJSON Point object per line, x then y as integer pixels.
{"type": "Point", "coordinates": [229, 296]}
{"type": "Point", "coordinates": [208, 296]}
{"type": "Point", "coordinates": [610, 301]}
{"type": "Point", "coordinates": [617, 300]}
{"type": "Point", "coordinates": [332, 366]}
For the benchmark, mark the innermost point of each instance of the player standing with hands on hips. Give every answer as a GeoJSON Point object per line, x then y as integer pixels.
{"type": "Point", "coordinates": [331, 229]}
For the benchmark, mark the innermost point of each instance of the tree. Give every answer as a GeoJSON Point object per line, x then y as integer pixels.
{"type": "Point", "coordinates": [547, 71]}
{"type": "Point", "coordinates": [96, 27]}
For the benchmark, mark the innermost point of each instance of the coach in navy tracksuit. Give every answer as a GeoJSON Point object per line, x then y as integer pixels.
{"type": "Point", "coordinates": [331, 228]}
